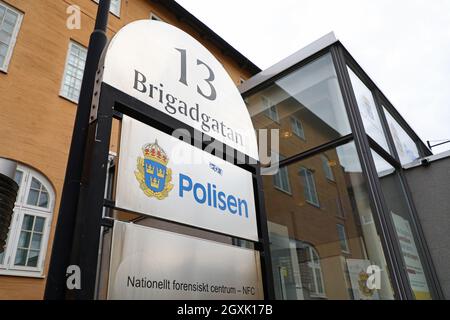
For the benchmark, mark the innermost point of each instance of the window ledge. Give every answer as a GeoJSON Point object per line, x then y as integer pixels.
{"type": "Point", "coordinates": [68, 99]}
{"type": "Point", "coordinates": [316, 205]}
{"type": "Point", "coordinates": [26, 274]}
{"type": "Point", "coordinates": [289, 193]}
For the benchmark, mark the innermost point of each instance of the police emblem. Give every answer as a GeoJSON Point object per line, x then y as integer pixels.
{"type": "Point", "coordinates": [152, 173]}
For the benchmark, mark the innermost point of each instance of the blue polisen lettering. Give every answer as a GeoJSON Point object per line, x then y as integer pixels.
{"type": "Point", "coordinates": [209, 195]}
{"type": "Point", "coordinates": [222, 204]}
{"type": "Point", "coordinates": [214, 196]}
{"type": "Point", "coordinates": [184, 187]}
{"type": "Point", "coordinates": [197, 187]}
{"type": "Point", "coordinates": [231, 201]}
{"type": "Point", "coordinates": [243, 203]}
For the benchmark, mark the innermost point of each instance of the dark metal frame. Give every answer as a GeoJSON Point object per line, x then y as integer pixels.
{"type": "Point", "coordinates": [90, 219]}
{"type": "Point", "coordinates": [394, 160]}
{"type": "Point", "coordinates": [364, 145]}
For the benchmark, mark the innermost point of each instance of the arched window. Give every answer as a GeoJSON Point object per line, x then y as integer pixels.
{"type": "Point", "coordinates": [312, 276]}
{"type": "Point", "coordinates": [26, 246]}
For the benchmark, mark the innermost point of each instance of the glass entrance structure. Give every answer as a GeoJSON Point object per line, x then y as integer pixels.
{"type": "Point", "coordinates": [342, 224]}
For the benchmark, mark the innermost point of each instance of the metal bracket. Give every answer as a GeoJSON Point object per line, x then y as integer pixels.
{"type": "Point", "coordinates": [96, 94]}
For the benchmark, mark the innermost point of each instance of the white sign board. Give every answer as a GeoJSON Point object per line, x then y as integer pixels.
{"type": "Point", "coordinates": [164, 177]}
{"type": "Point", "coordinates": [169, 70]}
{"type": "Point", "coordinates": [412, 259]}
{"type": "Point", "coordinates": [148, 263]}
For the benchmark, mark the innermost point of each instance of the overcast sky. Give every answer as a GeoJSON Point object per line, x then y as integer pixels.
{"type": "Point", "coordinates": [404, 45]}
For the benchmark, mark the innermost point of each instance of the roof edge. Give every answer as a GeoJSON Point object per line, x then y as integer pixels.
{"type": "Point", "coordinates": [288, 62]}
{"type": "Point", "coordinates": [205, 32]}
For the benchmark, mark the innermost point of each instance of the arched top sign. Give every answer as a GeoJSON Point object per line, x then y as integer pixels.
{"type": "Point", "coordinates": [169, 70]}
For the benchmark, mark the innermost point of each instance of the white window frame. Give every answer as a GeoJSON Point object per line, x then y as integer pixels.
{"type": "Point", "coordinates": [61, 93]}
{"type": "Point", "coordinates": [155, 17]}
{"type": "Point", "coordinates": [315, 267]}
{"type": "Point", "coordinates": [297, 128]}
{"type": "Point", "coordinates": [310, 186]}
{"type": "Point", "coordinates": [119, 7]}
{"type": "Point", "coordinates": [278, 178]}
{"type": "Point", "coordinates": [21, 209]}
{"type": "Point", "coordinates": [269, 109]}
{"type": "Point", "coordinates": [4, 67]}
{"type": "Point", "coordinates": [328, 171]}
{"type": "Point", "coordinates": [340, 227]}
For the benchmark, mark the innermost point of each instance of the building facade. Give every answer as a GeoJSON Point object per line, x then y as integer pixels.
{"type": "Point", "coordinates": [41, 64]}
{"type": "Point", "coordinates": [338, 205]}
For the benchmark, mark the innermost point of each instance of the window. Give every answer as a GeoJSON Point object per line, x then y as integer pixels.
{"type": "Point", "coordinates": [114, 8]}
{"type": "Point", "coordinates": [342, 238]}
{"type": "Point", "coordinates": [297, 128]}
{"type": "Point", "coordinates": [10, 20]}
{"type": "Point", "coordinates": [407, 235]}
{"type": "Point", "coordinates": [269, 109]}
{"type": "Point", "coordinates": [309, 186]}
{"type": "Point", "coordinates": [368, 110]}
{"type": "Point", "coordinates": [326, 164]}
{"type": "Point", "coordinates": [281, 179]}
{"type": "Point", "coordinates": [73, 73]}
{"type": "Point", "coordinates": [406, 147]}
{"type": "Point", "coordinates": [312, 95]}
{"type": "Point", "coordinates": [30, 226]}
{"type": "Point", "coordinates": [155, 17]}
{"type": "Point", "coordinates": [316, 286]}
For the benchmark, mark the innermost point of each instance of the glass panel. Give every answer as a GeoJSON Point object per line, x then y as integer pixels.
{"type": "Point", "coordinates": [33, 197]}
{"type": "Point", "coordinates": [3, 49]}
{"type": "Point", "coordinates": [342, 237]}
{"type": "Point", "coordinates": [39, 224]}
{"type": "Point", "coordinates": [24, 240]}
{"type": "Point", "coordinates": [33, 258]}
{"type": "Point", "coordinates": [115, 7]}
{"type": "Point", "coordinates": [21, 257]}
{"type": "Point", "coordinates": [399, 211]}
{"type": "Point", "coordinates": [43, 200]}
{"type": "Point", "coordinates": [2, 12]}
{"type": "Point", "coordinates": [406, 147]}
{"type": "Point", "coordinates": [295, 226]}
{"type": "Point", "coordinates": [310, 94]}
{"type": "Point", "coordinates": [35, 184]}
{"type": "Point", "coordinates": [5, 37]}
{"type": "Point", "coordinates": [36, 241]}
{"type": "Point", "coordinates": [10, 18]}
{"type": "Point", "coordinates": [368, 110]}
{"type": "Point", "coordinates": [27, 222]}
{"type": "Point", "coordinates": [73, 73]}
{"type": "Point", "coordinates": [18, 177]}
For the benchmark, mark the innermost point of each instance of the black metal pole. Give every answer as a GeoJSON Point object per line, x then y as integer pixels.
{"type": "Point", "coordinates": [62, 242]}
{"type": "Point", "coordinates": [86, 243]}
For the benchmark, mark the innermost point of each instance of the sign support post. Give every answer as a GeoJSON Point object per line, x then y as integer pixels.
{"type": "Point", "coordinates": [60, 257]}
{"type": "Point", "coordinates": [87, 233]}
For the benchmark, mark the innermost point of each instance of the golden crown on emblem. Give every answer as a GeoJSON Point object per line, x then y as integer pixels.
{"type": "Point", "coordinates": [154, 183]}
{"type": "Point", "coordinates": [154, 152]}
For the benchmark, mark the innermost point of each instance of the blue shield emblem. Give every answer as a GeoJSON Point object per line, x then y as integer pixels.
{"type": "Point", "coordinates": [152, 173]}
{"type": "Point", "coordinates": [155, 175]}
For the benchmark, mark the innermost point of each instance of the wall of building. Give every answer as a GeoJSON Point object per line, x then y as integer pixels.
{"type": "Point", "coordinates": [35, 121]}
{"type": "Point", "coordinates": [430, 187]}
